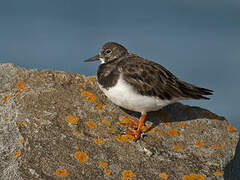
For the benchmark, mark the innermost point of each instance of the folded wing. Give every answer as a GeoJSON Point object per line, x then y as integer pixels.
{"type": "Point", "coordinates": [152, 79]}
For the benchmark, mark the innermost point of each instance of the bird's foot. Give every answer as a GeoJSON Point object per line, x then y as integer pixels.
{"type": "Point", "coordinates": [135, 133]}
{"type": "Point", "coordinates": [139, 124]}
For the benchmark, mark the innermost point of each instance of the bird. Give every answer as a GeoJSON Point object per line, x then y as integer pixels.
{"type": "Point", "coordinates": [140, 85]}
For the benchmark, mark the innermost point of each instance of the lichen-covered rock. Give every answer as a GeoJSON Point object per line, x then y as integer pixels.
{"type": "Point", "coordinates": [57, 125]}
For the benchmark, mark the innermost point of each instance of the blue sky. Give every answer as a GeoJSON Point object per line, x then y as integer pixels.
{"type": "Point", "coordinates": [199, 41]}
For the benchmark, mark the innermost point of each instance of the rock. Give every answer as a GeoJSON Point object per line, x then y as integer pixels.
{"type": "Point", "coordinates": [54, 124]}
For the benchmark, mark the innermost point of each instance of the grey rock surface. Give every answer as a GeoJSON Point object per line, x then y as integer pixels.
{"type": "Point", "coordinates": [56, 125]}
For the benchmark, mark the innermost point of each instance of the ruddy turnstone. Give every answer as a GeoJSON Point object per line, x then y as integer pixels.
{"type": "Point", "coordinates": [141, 85]}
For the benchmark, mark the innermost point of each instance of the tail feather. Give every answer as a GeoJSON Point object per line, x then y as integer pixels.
{"type": "Point", "coordinates": [193, 92]}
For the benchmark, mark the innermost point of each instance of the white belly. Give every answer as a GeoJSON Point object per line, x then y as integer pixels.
{"type": "Point", "coordinates": [125, 96]}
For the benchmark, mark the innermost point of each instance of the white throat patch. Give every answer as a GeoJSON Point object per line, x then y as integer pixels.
{"type": "Point", "coordinates": [102, 60]}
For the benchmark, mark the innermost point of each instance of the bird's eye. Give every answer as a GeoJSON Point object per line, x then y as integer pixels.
{"type": "Point", "coordinates": [108, 51]}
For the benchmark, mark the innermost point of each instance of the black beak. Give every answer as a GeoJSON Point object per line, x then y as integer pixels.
{"type": "Point", "coordinates": [95, 58]}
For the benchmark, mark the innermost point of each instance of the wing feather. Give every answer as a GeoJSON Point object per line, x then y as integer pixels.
{"type": "Point", "coordinates": [152, 79]}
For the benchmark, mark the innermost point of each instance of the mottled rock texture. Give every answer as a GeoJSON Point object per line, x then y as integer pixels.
{"type": "Point", "coordinates": [55, 125]}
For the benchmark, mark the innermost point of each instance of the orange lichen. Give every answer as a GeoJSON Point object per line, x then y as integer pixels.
{"type": "Point", "coordinates": [4, 98]}
{"type": "Point", "coordinates": [214, 146]}
{"type": "Point", "coordinates": [206, 115]}
{"type": "Point", "coordinates": [62, 172]}
{"type": "Point", "coordinates": [198, 143]}
{"type": "Point", "coordinates": [92, 78]}
{"type": "Point", "coordinates": [197, 176]}
{"type": "Point", "coordinates": [124, 138]}
{"type": "Point", "coordinates": [231, 129]}
{"type": "Point", "coordinates": [173, 132]}
{"type": "Point", "coordinates": [16, 154]}
{"type": "Point", "coordinates": [127, 174]}
{"type": "Point", "coordinates": [20, 141]}
{"type": "Point", "coordinates": [159, 132]}
{"type": "Point", "coordinates": [21, 85]}
{"type": "Point", "coordinates": [163, 176]}
{"type": "Point", "coordinates": [6, 119]}
{"type": "Point", "coordinates": [193, 177]}
{"type": "Point", "coordinates": [89, 96]}
{"type": "Point", "coordinates": [145, 128]}
{"type": "Point", "coordinates": [91, 124]}
{"type": "Point", "coordinates": [187, 178]}
{"type": "Point", "coordinates": [71, 119]}
{"type": "Point", "coordinates": [19, 122]}
{"type": "Point", "coordinates": [111, 130]}
{"type": "Point", "coordinates": [51, 90]}
{"type": "Point", "coordinates": [99, 106]}
{"type": "Point", "coordinates": [107, 172]}
{"type": "Point", "coordinates": [98, 141]}
{"type": "Point", "coordinates": [181, 124]}
{"type": "Point", "coordinates": [81, 156]}
{"type": "Point", "coordinates": [151, 131]}
{"type": "Point", "coordinates": [106, 122]}
{"type": "Point", "coordinates": [163, 115]}
{"type": "Point", "coordinates": [177, 147]}
{"type": "Point", "coordinates": [119, 123]}
{"type": "Point", "coordinates": [102, 164]}
{"type": "Point", "coordinates": [217, 173]}
{"type": "Point", "coordinates": [76, 147]}
{"type": "Point", "coordinates": [76, 133]}
{"type": "Point", "coordinates": [17, 91]}
{"type": "Point", "coordinates": [124, 120]}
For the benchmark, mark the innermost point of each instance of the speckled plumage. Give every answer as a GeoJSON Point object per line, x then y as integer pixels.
{"type": "Point", "coordinates": [138, 84]}
{"type": "Point", "coordinates": [148, 78]}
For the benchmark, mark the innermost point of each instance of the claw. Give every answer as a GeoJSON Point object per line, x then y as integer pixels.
{"type": "Point", "coordinates": [137, 132]}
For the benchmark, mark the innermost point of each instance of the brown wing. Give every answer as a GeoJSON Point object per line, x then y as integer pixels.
{"type": "Point", "coordinates": [151, 79]}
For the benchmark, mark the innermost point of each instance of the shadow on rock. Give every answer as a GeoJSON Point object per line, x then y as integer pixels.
{"type": "Point", "coordinates": [232, 170]}
{"type": "Point", "coordinates": [176, 112]}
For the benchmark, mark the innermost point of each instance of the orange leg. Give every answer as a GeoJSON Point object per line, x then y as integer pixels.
{"type": "Point", "coordinates": [139, 126]}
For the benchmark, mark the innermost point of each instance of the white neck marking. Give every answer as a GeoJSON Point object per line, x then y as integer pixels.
{"type": "Point", "coordinates": [102, 60]}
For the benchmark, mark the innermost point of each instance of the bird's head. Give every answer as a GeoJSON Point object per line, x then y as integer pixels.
{"type": "Point", "coordinates": [109, 52]}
